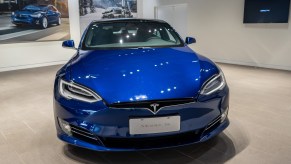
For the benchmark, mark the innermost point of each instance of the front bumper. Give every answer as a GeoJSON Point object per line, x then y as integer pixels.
{"type": "Point", "coordinates": [100, 128]}
{"type": "Point", "coordinates": [27, 21]}
{"type": "Point", "coordinates": [179, 142]}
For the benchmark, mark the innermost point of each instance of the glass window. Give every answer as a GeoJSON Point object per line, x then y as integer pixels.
{"type": "Point", "coordinates": [35, 8]}
{"type": "Point", "coordinates": [130, 34]}
{"type": "Point", "coordinates": [118, 11]}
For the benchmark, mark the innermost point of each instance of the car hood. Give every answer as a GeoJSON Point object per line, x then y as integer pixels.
{"type": "Point", "coordinates": [27, 12]}
{"type": "Point", "coordinates": [138, 74]}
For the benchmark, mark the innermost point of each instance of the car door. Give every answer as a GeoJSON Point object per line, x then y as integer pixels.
{"type": "Point", "coordinates": [56, 13]}
{"type": "Point", "coordinates": [52, 14]}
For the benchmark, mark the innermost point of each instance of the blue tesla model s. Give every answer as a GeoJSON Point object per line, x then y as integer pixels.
{"type": "Point", "coordinates": [134, 84]}
{"type": "Point", "coordinates": [37, 15]}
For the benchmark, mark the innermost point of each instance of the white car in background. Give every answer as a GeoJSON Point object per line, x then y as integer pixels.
{"type": "Point", "coordinates": [113, 12]}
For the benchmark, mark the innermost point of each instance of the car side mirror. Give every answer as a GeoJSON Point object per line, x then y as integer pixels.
{"type": "Point", "coordinates": [190, 40]}
{"type": "Point", "coordinates": [69, 44]}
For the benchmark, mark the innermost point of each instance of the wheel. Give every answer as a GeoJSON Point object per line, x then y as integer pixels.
{"type": "Point", "coordinates": [59, 22]}
{"type": "Point", "coordinates": [44, 23]}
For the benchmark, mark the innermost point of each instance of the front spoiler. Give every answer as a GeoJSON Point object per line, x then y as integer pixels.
{"type": "Point", "coordinates": [26, 21]}
{"type": "Point", "coordinates": [80, 143]}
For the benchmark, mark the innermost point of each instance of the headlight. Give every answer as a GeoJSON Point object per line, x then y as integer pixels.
{"type": "Point", "coordinates": [13, 13]}
{"type": "Point", "coordinates": [213, 85]}
{"type": "Point", "coordinates": [77, 92]}
{"type": "Point", "coordinates": [36, 15]}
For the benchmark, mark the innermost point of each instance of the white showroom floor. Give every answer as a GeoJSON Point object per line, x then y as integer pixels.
{"type": "Point", "coordinates": [260, 129]}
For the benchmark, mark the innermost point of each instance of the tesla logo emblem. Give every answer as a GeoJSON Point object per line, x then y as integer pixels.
{"type": "Point", "coordinates": [155, 107]}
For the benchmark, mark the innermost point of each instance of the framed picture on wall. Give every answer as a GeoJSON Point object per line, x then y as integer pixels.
{"type": "Point", "coordinates": [34, 21]}
{"type": "Point", "coordinates": [105, 9]}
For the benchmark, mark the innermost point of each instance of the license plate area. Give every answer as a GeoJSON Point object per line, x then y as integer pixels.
{"type": "Point", "coordinates": [154, 125]}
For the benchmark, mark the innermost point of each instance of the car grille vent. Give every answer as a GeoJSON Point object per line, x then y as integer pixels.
{"type": "Point", "coordinates": [147, 104]}
{"type": "Point", "coordinates": [153, 142]}
{"type": "Point", "coordinates": [22, 16]}
{"type": "Point", "coordinates": [212, 125]}
{"type": "Point", "coordinates": [85, 135]}
{"type": "Point", "coordinates": [146, 142]}
{"type": "Point", "coordinates": [137, 143]}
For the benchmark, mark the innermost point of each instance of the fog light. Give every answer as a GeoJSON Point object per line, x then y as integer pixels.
{"type": "Point", "coordinates": [65, 126]}
{"type": "Point", "coordinates": [224, 115]}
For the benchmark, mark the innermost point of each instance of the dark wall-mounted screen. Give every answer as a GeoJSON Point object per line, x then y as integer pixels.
{"type": "Point", "coordinates": [266, 11]}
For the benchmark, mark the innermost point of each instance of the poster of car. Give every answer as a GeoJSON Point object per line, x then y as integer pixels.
{"type": "Point", "coordinates": [33, 21]}
{"type": "Point", "coordinates": [105, 9]}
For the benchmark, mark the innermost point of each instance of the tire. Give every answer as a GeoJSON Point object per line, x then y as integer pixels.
{"type": "Point", "coordinates": [44, 23]}
{"type": "Point", "coordinates": [59, 22]}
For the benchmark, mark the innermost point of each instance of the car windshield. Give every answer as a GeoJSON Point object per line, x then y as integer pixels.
{"type": "Point", "coordinates": [109, 9]}
{"type": "Point", "coordinates": [118, 11]}
{"type": "Point", "coordinates": [130, 34]}
{"type": "Point", "coordinates": [34, 8]}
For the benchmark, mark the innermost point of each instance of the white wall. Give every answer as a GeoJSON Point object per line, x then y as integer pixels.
{"type": "Point", "coordinates": [74, 20]}
{"type": "Point", "coordinates": [27, 55]}
{"type": "Point", "coordinates": [146, 9]}
{"type": "Point", "coordinates": [222, 36]}
{"type": "Point", "coordinates": [37, 54]}
{"type": "Point", "coordinates": [175, 15]}
{"type": "Point", "coordinates": [217, 26]}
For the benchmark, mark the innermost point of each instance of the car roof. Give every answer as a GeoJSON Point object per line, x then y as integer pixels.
{"type": "Point", "coordinates": [129, 20]}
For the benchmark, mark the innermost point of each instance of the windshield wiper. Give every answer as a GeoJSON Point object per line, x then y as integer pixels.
{"type": "Point", "coordinates": [141, 47]}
